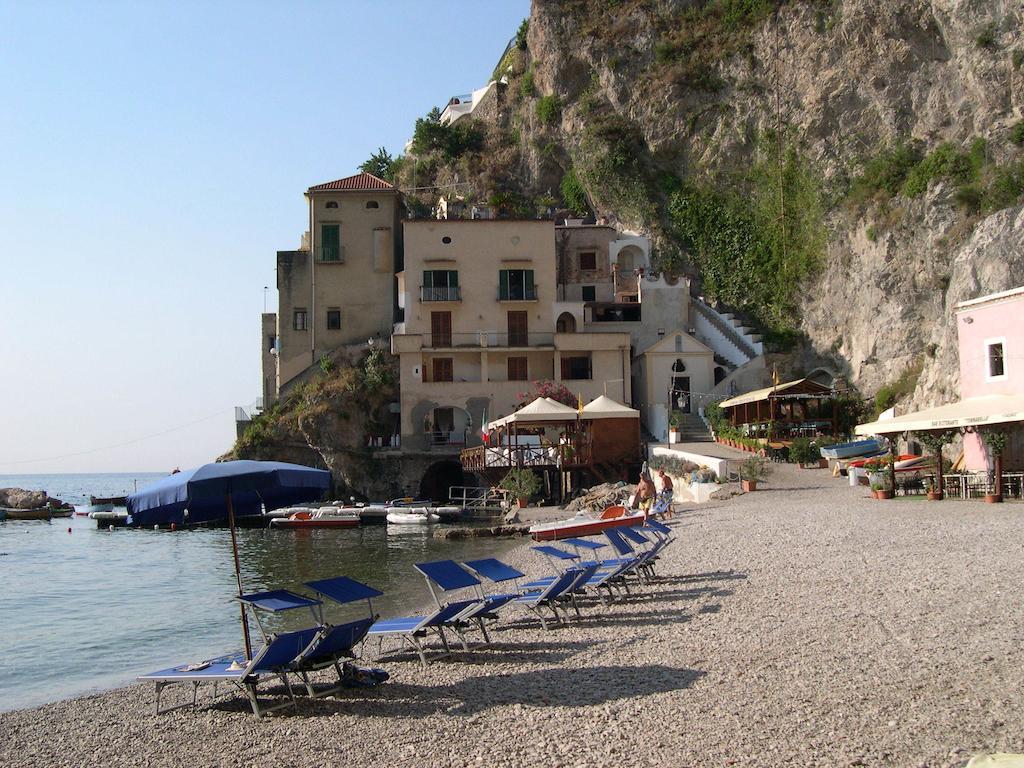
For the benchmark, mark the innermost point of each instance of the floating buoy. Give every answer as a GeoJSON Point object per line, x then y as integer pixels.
{"type": "Point", "coordinates": [69, 530]}
{"type": "Point", "coordinates": [174, 526]}
{"type": "Point", "coordinates": [156, 527]}
{"type": "Point", "coordinates": [110, 527]}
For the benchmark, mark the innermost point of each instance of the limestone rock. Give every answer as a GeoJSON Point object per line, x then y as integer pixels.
{"type": "Point", "coordinates": [19, 498]}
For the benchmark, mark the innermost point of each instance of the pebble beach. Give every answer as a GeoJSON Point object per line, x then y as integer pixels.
{"type": "Point", "coordinates": [804, 624]}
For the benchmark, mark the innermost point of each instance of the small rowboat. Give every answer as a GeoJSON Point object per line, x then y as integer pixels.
{"type": "Point", "coordinates": [585, 524]}
{"type": "Point", "coordinates": [41, 513]}
{"type": "Point", "coordinates": [849, 450]}
{"type": "Point", "coordinates": [325, 517]}
{"type": "Point", "coordinates": [411, 516]}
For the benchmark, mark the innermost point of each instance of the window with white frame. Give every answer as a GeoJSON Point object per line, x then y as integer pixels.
{"type": "Point", "coordinates": [995, 359]}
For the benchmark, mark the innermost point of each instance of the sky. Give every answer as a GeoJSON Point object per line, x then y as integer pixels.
{"type": "Point", "coordinates": [153, 158]}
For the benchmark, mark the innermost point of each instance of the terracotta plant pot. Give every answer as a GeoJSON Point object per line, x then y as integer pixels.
{"type": "Point", "coordinates": [935, 496]}
{"type": "Point", "coordinates": [884, 494]}
{"type": "Point", "coordinates": [522, 503]}
{"type": "Point", "coordinates": [994, 498]}
{"type": "Point", "coordinates": [822, 463]}
{"type": "Point", "coordinates": [748, 485]}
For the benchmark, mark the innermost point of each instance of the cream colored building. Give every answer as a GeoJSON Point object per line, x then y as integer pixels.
{"type": "Point", "coordinates": [338, 287]}
{"type": "Point", "coordinates": [480, 305]}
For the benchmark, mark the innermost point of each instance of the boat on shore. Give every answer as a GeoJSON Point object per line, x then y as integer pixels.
{"type": "Point", "coordinates": [856, 448]}
{"type": "Point", "coordinates": [40, 513]}
{"type": "Point", "coordinates": [585, 524]}
{"type": "Point", "coordinates": [324, 517]}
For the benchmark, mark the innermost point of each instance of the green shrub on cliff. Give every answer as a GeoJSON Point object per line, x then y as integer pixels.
{"type": "Point", "coordinates": [757, 240]}
{"type": "Point", "coordinates": [549, 109]}
{"type": "Point", "coordinates": [573, 193]}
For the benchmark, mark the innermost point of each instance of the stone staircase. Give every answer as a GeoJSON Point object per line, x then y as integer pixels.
{"type": "Point", "coordinates": [726, 334]}
{"type": "Point", "coordinates": [693, 430]}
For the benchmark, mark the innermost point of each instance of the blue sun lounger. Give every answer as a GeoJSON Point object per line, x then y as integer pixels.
{"type": "Point", "coordinates": [557, 593]}
{"type": "Point", "coordinates": [412, 629]}
{"type": "Point", "coordinates": [496, 571]}
{"type": "Point", "coordinates": [448, 576]}
{"type": "Point", "coordinates": [273, 660]}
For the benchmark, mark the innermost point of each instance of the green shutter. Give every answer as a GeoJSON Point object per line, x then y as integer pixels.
{"type": "Point", "coordinates": [453, 279]}
{"type": "Point", "coordinates": [528, 281]}
{"type": "Point", "coordinates": [503, 284]}
{"type": "Point", "coordinates": [428, 278]}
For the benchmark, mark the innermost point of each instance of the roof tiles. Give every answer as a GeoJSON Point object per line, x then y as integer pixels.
{"type": "Point", "coordinates": [361, 182]}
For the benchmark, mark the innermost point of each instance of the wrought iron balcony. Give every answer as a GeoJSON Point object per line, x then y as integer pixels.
{"type": "Point", "coordinates": [440, 293]}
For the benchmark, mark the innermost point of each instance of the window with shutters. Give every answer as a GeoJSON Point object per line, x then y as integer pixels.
{"type": "Point", "coordinates": [518, 329]}
{"type": "Point", "coordinates": [588, 292]}
{"type": "Point", "coordinates": [443, 369]}
{"type": "Point", "coordinates": [330, 242]}
{"type": "Point", "coordinates": [516, 285]}
{"type": "Point", "coordinates": [440, 329]}
{"type": "Point", "coordinates": [517, 369]}
{"type": "Point", "coordinates": [588, 260]}
{"type": "Point", "coordinates": [440, 285]}
{"type": "Point", "coordinates": [299, 319]}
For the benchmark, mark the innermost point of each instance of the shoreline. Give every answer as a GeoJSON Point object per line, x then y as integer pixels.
{"type": "Point", "coordinates": [804, 624]}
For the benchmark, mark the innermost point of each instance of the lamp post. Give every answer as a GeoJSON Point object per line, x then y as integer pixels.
{"type": "Point", "coordinates": [265, 289]}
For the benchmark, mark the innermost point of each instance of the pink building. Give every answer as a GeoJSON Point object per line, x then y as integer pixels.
{"type": "Point", "coordinates": [990, 331]}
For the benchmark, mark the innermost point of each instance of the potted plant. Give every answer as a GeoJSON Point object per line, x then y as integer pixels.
{"type": "Point", "coordinates": [673, 428]}
{"type": "Point", "coordinates": [934, 442]}
{"type": "Point", "coordinates": [876, 486]}
{"type": "Point", "coordinates": [805, 453]}
{"type": "Point", "coordinates": [522, 483]}
{"type": "Point", "coordinates": [996, 442]}
{"type": "Point", "coordinates": [751, 470]}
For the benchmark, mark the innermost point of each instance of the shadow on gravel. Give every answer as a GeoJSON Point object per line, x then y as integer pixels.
{"type": "Point", "coordinates": [558, 687]}
{"type": "Point", "coordinates": [501, 653]}
{"type": "Point", "coordinates": [711, 576]}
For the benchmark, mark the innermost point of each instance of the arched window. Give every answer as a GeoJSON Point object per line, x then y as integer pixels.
{"type": "Point", "coordinates": [566, 323]}
{"type": "Point", "coordinates": [331, 204]}
{"type": "Point", "coordinates": [372, 204]}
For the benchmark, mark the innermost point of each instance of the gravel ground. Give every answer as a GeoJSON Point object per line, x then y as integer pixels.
{"type": "Point", "coordinates": [804, 624]}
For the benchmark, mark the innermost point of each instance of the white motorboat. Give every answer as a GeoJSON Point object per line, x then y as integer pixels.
{"type": "Point", "coordinates": [411, 516]}
{"type": "Point", "coordinates": [324, 517]}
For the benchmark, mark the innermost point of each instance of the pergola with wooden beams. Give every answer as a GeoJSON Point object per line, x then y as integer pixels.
{"type": "Point", "coordinates": [784, 410]}
{"type": "Point", "coordinates": [565, 445]}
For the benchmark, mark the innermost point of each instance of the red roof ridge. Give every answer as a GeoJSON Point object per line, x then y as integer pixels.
{"type": "Point", "coordinates": [360, 182]}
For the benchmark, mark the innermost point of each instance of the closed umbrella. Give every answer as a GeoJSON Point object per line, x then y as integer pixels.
{"type": "Point", "coordinates": [225, 490]}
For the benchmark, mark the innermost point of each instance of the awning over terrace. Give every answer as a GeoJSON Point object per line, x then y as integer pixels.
{"type": "Point", "coordinates": [973, 412]}
{"type": "Point", "coordinates": [540, 410]}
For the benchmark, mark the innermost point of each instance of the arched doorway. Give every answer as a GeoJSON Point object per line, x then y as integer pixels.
{"type": "Point", "coordinates": [439, 478]}
{"type": "Point", "coordinates": [720, 374]}
{"type": "Point", "coordinates": [680, 389]}
{"type": "Point", "coordinates": [566, 323]}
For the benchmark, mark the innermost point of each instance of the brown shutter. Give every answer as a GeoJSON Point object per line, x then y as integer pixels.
{"type": "Point", "coordinates": [518, 333]}
{"type": "Point", "coordinates": [441, 329]}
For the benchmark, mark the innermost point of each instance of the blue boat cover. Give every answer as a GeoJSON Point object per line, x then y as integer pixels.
{"type": "Point", "coordinates": [203, 491]}
{"type": "Point", "coordinates": [278, 600]}
{"type": "Point", "coordinates": [493, 569]}
{"type": "Point", "coordinates": [561, 554]}
{"type": "Point", "coordinates": [448, 574]}
{"type": "Point", "coordinates": [342, 589]}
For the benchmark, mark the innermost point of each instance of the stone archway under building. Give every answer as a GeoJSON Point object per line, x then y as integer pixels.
{"type": "Point", "coordinates": [566, 323]}
{"type": "Point", "coordinates": [440, 476]}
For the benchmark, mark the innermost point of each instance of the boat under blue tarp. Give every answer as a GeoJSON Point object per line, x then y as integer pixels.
{"type": "Point", "coordinates": [857, 448]}
{"type": "Point", "coordinates": [199, 495]}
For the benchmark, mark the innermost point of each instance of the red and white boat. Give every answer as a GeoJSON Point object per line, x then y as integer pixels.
{"type": "Point", "coordinates": [325, 517]}
{"type": "Point", "coordinates": [585, 524]}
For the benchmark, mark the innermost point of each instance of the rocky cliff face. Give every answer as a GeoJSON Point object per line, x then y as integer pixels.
{"type": "Point", "coordinates": [638, 100]}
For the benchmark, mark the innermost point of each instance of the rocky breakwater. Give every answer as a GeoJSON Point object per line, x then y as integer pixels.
{"type": "Point", "coordinates": [15, 500]}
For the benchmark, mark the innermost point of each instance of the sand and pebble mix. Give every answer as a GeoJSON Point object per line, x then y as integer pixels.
{"type": "Point", "coordinates": [801, 625]}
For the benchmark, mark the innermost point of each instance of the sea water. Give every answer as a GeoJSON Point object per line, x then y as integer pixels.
{"type": "Point", "coordinates": [85, 609]}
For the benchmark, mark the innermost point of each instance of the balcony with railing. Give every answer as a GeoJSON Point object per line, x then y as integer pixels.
{"type": "Point", "coordinates": [517, 293]}
{"type": "Point", "coordinates": [331, 254]}
{"type": "Point", "coordinates": [488, 339]}
{"type": "Point", "coordinates": [576, 453]}
{"type": "Point", "coordinates": [440, 293]}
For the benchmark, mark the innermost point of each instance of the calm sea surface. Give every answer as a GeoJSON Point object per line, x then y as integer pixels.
{"type": "Point", "coordinates": [89, 609]}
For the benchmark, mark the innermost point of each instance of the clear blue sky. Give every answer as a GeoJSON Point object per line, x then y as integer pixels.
{"type": "Point", "coordinates": [154, 160]}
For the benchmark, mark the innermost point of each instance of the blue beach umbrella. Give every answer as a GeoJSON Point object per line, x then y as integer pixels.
{"type": "Point", "coordinates": [225, 490]}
